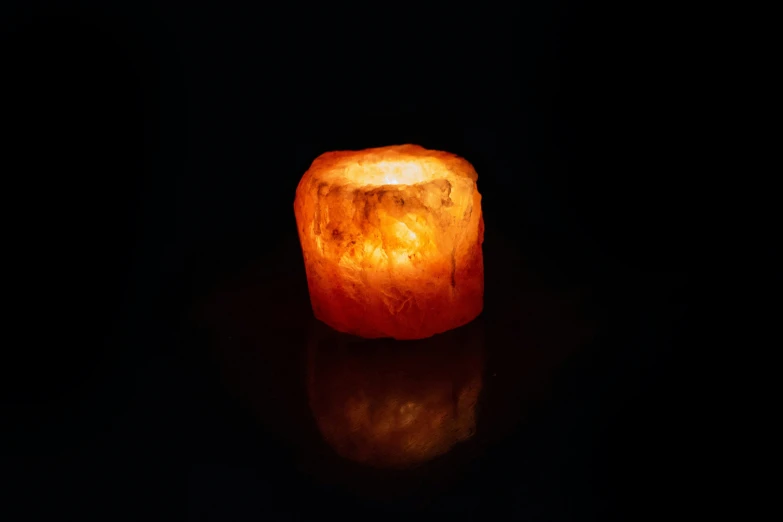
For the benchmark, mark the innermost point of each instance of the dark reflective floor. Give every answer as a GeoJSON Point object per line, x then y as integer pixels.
{"type": "Point", "coordinates": [388, 404]}
{"type": "Point", "coordinates": [409, 423]}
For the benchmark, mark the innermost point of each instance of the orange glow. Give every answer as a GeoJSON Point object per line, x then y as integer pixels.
{"type": "Point", "coordinates": [391, 239]}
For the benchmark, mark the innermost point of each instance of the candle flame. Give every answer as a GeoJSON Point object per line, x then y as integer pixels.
{"type": "Point", "coordinates": [388, 172]}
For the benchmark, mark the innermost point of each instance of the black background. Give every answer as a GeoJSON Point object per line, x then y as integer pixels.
{"type": "Point", "coordinates": [151, 163]}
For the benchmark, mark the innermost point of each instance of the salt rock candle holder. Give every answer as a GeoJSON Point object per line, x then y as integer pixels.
{"type": "Point", "coordinates": [391, 239]}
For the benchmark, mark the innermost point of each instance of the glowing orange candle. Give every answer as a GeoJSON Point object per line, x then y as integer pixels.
{"type": "Point", "coordinates": [391, 239]}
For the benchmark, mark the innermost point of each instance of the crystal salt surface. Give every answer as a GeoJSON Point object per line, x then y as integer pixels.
{"type": "Point", "coordinates": [391, 239]}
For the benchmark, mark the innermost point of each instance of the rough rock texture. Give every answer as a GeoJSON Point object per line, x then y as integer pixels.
{"type": "Point", "coordinates": [391, 239]}
{"type": "Point", "coordinates": [388, 405]}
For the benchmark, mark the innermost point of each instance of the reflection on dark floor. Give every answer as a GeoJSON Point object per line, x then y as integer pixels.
{"type": "Point", "coordinates": [392, 404]}
{"type": "Point", "coordinates": [383, 420]}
